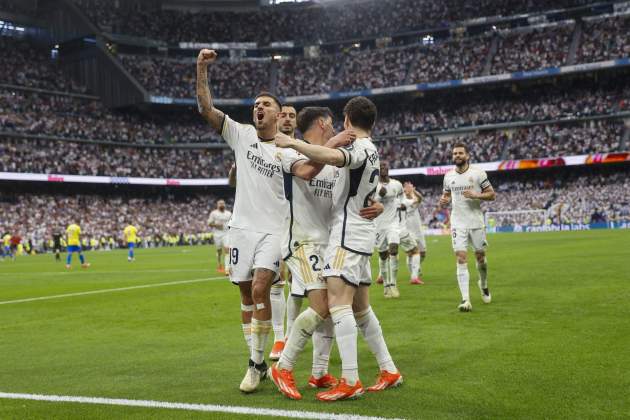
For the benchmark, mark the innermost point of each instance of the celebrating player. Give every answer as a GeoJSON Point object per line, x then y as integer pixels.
{"type": "Point", "coordinates": [73, 241]}
{"type": "Point", "coordinates": [466, 186]}
{"type": "Point", "coordinates": [347, 256]}
{"type": "Point", "coordinates": [259, 209]}
{"type": "Point", "coordinates": [390, 193]}
{"type": "Point", "coordinates": [411, 201]}
{"type": "Point", "coordinates": [218, 221]}
{"type": "Point", "coordinates": [309, 193]}
{"type": "Point", "coordinates": [287, 123]}
{"type": "Point", "coordinates": [130, 237]}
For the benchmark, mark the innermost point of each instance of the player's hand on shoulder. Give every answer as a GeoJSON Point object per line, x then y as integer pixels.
{"type": "Point", "coordinates": [344, 138]}
{"type": "Point", "coordinates": [282, 140]}
{"type": "Point", "coordinates": [206, 57]}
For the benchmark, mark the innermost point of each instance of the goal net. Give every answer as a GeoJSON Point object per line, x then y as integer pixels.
{"type": "Point", "coordinates": [515, 218]}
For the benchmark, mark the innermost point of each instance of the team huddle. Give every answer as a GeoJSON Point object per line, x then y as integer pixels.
{"type": "Point", "coordinates": [321, 204]}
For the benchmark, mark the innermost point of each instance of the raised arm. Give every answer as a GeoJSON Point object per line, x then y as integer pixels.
{"type": "Point", "coordinates": [308, 169]}
{"type": "Point", "coordinates": [204, 98]}
{"type": "Point", "coordinates": [318, 154]}
{"type": "Point", "coordinates": [232, 176]}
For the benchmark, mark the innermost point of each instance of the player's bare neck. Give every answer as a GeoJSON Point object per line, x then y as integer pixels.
{"type": "Point", "coordinates": [267, 134]}
{"type": "Point", "coordinates": [359, 132]}
{"type": "Point", "coordinates": [311, 138]}
{"type": "Point", "coordinates": [463, 168]}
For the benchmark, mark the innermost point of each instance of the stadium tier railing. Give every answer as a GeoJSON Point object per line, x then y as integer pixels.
{"type": "Point", "coordinates": [505, 165]}
{"type": "Point", "coordinates": [418, 87]}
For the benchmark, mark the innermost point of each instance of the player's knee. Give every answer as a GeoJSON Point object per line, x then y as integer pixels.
{"type": "Point", "coordinates": [481, 256]}
{"type": "Point", "coordinates": [383, 255]}
{"type": "Point", "coordinates": [462, 257]}
{"type": "Point", "coordinates": [393, 249]}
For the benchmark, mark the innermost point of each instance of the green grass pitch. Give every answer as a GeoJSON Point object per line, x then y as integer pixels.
{"type": "Point", "coordinates": [554, 343]}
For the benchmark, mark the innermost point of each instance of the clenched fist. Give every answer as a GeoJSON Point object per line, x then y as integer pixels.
{"type": "Point", "coordinates": [206, 57]}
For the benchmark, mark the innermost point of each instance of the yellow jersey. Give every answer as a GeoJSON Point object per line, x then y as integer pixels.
{"type": "Point", "coordinates": [130, 233]}
{"type": "Point", "coordinates": [73, 232]}
{"type": "Point", "coordinates": [6, 239]}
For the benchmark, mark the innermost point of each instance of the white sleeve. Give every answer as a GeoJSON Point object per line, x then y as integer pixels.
{"type": "Point", "coordinates": [446, 187]}
{"type": "Point", "coordinates": [353, 156]}
{"type": "Point", "coordinates": [232, 131]}
{"type": "Point", "coordinates": [288, 157]}
{"type": "Point", "coordinates": [211, 218]}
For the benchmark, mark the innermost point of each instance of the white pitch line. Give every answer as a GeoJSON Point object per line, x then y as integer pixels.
{"type": "Point", "coordinates": [87, 272]}
{"type": "Point", "coordinates": [212, 408]}
{"type": "Point", "coordinates": [118, 289]}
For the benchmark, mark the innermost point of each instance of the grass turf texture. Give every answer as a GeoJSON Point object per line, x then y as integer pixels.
{"type": "Point", "coordinates": [553, 343]}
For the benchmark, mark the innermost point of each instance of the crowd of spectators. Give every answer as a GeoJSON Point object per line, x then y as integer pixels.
{"type": "Point", "coordinates": [160, 220]}
{"type": "Point", "coordinates": [78, 118]}
{"type": "Point", "coordinates": [584, 198]}
{"type": "Point", "coordinates": [24, 64]}
{"type": "Point", "coordinates": [605, 39]}
{"type": "Point", "coordinates": [538, 141]}
{"type": "Point", "coordinates": [536, 49]}
{"type": "Point", "coordinates": [175, 78]}
{"type": "Point", "coordinates": [535, 104]}
{"type": "Point", "coordinates": [302, 23]}
{"type": "Point", "coordinates": [74, 158]}
{"type": "Point", "coordinates": [353, 69]}
{"type": "Point", "coordinates": [563, 140]}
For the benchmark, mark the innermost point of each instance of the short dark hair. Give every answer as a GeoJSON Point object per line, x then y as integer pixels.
{"type": "Point", "coordinates": [462, 145]}
{"type": "Point", "coordinates": [361, 112]}
{"type": "Point", "coordinates": [307, 116]}
{"type": "Point", "coordinates": [270, 95]}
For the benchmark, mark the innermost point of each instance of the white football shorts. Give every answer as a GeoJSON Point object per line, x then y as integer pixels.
{"type": "Point", "coordinates": [462, 238]}
{"type": "Point", "coordinates": [252, 250]}
{"type": "Point", "coordinates": [353, 268]}
{"type": "Point", "coordinates": [306, 263]}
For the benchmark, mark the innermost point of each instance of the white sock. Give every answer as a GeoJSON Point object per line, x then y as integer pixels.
{"type": "Point", "coordinates": [393, 269]}
{"type": "Point", "coordinates": [483, 273]}
{"type": "Point", "coordinates": [462, 280]}
{"type": "Point", "coordinates": [277, 312]}
{"type": "Point", "coordinates": [322, 345]}
{"type": "Point", "coordinates": [373, 334]}
{"type": "Point", "coordinates": [303, 329]}
{"type": "Point", "coordinates": [415, 266]}
{"type": "Point", "coordinates": [383, 270]}
{"type": "Point", "coordinates": [260, 334]}
{"type": "Point", "coordinates": [408, 260]}
{"type": "Point", "coordinates": [346, 335]}
{"type": "Point", "coordinates": [294, 304]}
{"type": "Point", "coordinates": [226, 262]}
{"type": "Point", "coordinates": [247, 333]}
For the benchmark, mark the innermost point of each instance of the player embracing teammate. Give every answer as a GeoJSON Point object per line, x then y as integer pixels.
{"type": "Point", "coordinates": [261, 212]}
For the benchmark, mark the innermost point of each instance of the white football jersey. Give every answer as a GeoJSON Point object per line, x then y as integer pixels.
{"type": "Point", "coordinates": [414, 223]}
{"type": "Point", "coordinates": [259, 205]}
{"type": "Point", "coordinates": [355, 186]}
{"type": "Point", "coordinates": [310, 204]}
{"type": "Point", "coordinates": [466, 213]}
{"type": "Point", "coordinates": [391, 203]}
{"type": "Point", "coordinates": [220, 217]}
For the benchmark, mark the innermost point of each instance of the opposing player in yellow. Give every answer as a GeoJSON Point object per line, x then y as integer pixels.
{"type": "Point", "coordinates": [130, 234]}
{"type": "Point", "coordinates": [73, 233]}
{"type": "Point", "coordinates": [6, 247]}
